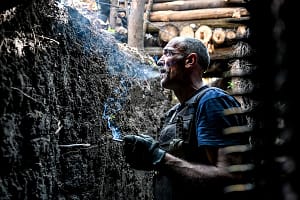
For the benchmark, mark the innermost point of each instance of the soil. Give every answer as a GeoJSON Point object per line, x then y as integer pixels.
{"type": "Point", "coordinates": [67, 89]}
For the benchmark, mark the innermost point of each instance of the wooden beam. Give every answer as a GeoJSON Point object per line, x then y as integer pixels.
{"type": "Point", "coordinates": [228, 1]}
{"type": "Point", "coordinates": [210, 13]}
{"type": "Point", "coordinates": [189, 5]}
{"type": "Point", "coordinates": [161, 1]}
{"type": "Point", "coordinates": [230, 23]}
{"type": "Point", "coordinates": [218, 54]}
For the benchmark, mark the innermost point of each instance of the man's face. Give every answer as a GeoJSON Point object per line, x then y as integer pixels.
{"type": "Point", "coordinates": [172, 66]}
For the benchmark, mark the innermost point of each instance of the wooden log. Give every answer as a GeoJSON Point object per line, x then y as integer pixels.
{"type": "Point", "coordinates": [135, 24]}
{"type": "Point", "coordinates": [225, 53]}
{"type": "Point", "coordinates": [218, 36]}
{"type": "Point", "coordinates": [222, 53]}
{"type": "Point", "coordinates": [242, 31]}
{"type": "Point", "coordinates": [219, 82]}
{"type": "Point", "coordinates": [146, 15]}
{"type": "Point", "coordinates": [187, 31]}
{"type": "Point", "coordinates": [189, 5]}
{"type": "Point", "coordinates": [237, 1]}
{"type": "Point", "coordinates": [204, 34]}
{"type": "Point", "coordinates": [217, 68]}
{"type": "Point", "coordinates": [154, 51]}
{"type": "Point", "coordinates": [233, 36]}
{"type": "Point", "coordinates": [113, 14]}
{"type": "Point", "coordinates": [167, 32]}
{"type": "Point", "coordinates": [210, 13]}
{"type": "Point", "coordinates": [224, 37]}
{"type": "Point", "coordinates": [213, 23]}
{"type": "Point", "coordinates": [151, 40]}
{"type": "Point", "coordinates": [228, 1]}
{"type": "Point", "coordinates": [230, 35]}
{"type": "Point", "coordinates": [214, 37]}
{"type": "Point", "coordinates": [210, 47]}
{"type": "Point", "coordinates": [162, 1]}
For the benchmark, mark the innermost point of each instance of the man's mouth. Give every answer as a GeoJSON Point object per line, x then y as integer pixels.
{"type": "Point", "coordinates": [162, 71]}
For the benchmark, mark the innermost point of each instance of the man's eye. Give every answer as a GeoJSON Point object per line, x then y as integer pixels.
{"type": "Point", "coordinates": [168, 53]}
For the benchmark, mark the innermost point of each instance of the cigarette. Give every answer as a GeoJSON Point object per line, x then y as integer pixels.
{"type": "Point", "coordinates": [118, 139]}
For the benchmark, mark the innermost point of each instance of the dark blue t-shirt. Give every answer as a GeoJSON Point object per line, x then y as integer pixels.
{"type": "Point", "coordinates": [211, 121]}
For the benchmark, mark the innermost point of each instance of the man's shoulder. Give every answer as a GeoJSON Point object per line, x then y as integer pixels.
{"type": "Point", "coordinates": [209, 92]}
{"type": "Point", "coordinates": [214, 92]}
{"type": "Point", "coordinates": [220, 97]}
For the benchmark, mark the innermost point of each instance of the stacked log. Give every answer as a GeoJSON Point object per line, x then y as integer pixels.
{"type": "Point", "coordinates": [220, 24]}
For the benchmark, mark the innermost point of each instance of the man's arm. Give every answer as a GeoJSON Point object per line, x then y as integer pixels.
{"type": "Point", "coordinates": [216, 174]}
{"type": "Point", "coordinates": [143, 152]}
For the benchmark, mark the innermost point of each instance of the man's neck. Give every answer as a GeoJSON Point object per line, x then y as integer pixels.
{"type": "Point", "coordinates": [183, 94]}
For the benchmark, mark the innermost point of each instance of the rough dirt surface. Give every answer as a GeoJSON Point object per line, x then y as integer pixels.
{"type": "Point", "coordinates": [64, 88]}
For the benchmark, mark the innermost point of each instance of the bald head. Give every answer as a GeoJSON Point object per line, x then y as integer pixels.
{"type": "Point", "coordinates": [188, 45]}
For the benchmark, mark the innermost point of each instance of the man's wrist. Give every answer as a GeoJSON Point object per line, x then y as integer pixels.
{"type": "Point", "coordinates": [160, 162]}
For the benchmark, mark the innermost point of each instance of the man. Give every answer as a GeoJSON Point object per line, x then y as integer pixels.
{"type": "Point", "coordinates": [191, 157]}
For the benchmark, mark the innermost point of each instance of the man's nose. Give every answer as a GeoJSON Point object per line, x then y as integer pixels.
{"type": "Point", "coordinates": [160, 62]}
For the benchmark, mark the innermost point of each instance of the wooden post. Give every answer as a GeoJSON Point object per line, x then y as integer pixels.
{"type": "Point", "coordinates": [147, 14]}
{"type": "Point", "coordinates": [135, 24]}
{"type": "Point", "coordinates": [113, 13]}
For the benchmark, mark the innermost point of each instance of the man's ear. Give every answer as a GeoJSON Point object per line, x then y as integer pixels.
{"type": "Point", "coordinates": [191, 59]}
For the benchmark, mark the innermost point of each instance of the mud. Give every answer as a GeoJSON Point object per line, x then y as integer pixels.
{"type": "Point", "coordinates": [58, 75]}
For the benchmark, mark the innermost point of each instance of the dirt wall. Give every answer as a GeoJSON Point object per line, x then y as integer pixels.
{"type": "Point", "coordinates": [64, 89]}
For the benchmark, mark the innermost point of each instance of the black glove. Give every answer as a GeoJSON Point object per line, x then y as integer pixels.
{"type": "Point", "coordinates": [176, 147]}
{"type": "Point", "coordinates": [142, 152]}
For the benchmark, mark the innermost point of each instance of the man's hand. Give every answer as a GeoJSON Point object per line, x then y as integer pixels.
{"type": "Point", "coordinates": [142, 152]}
